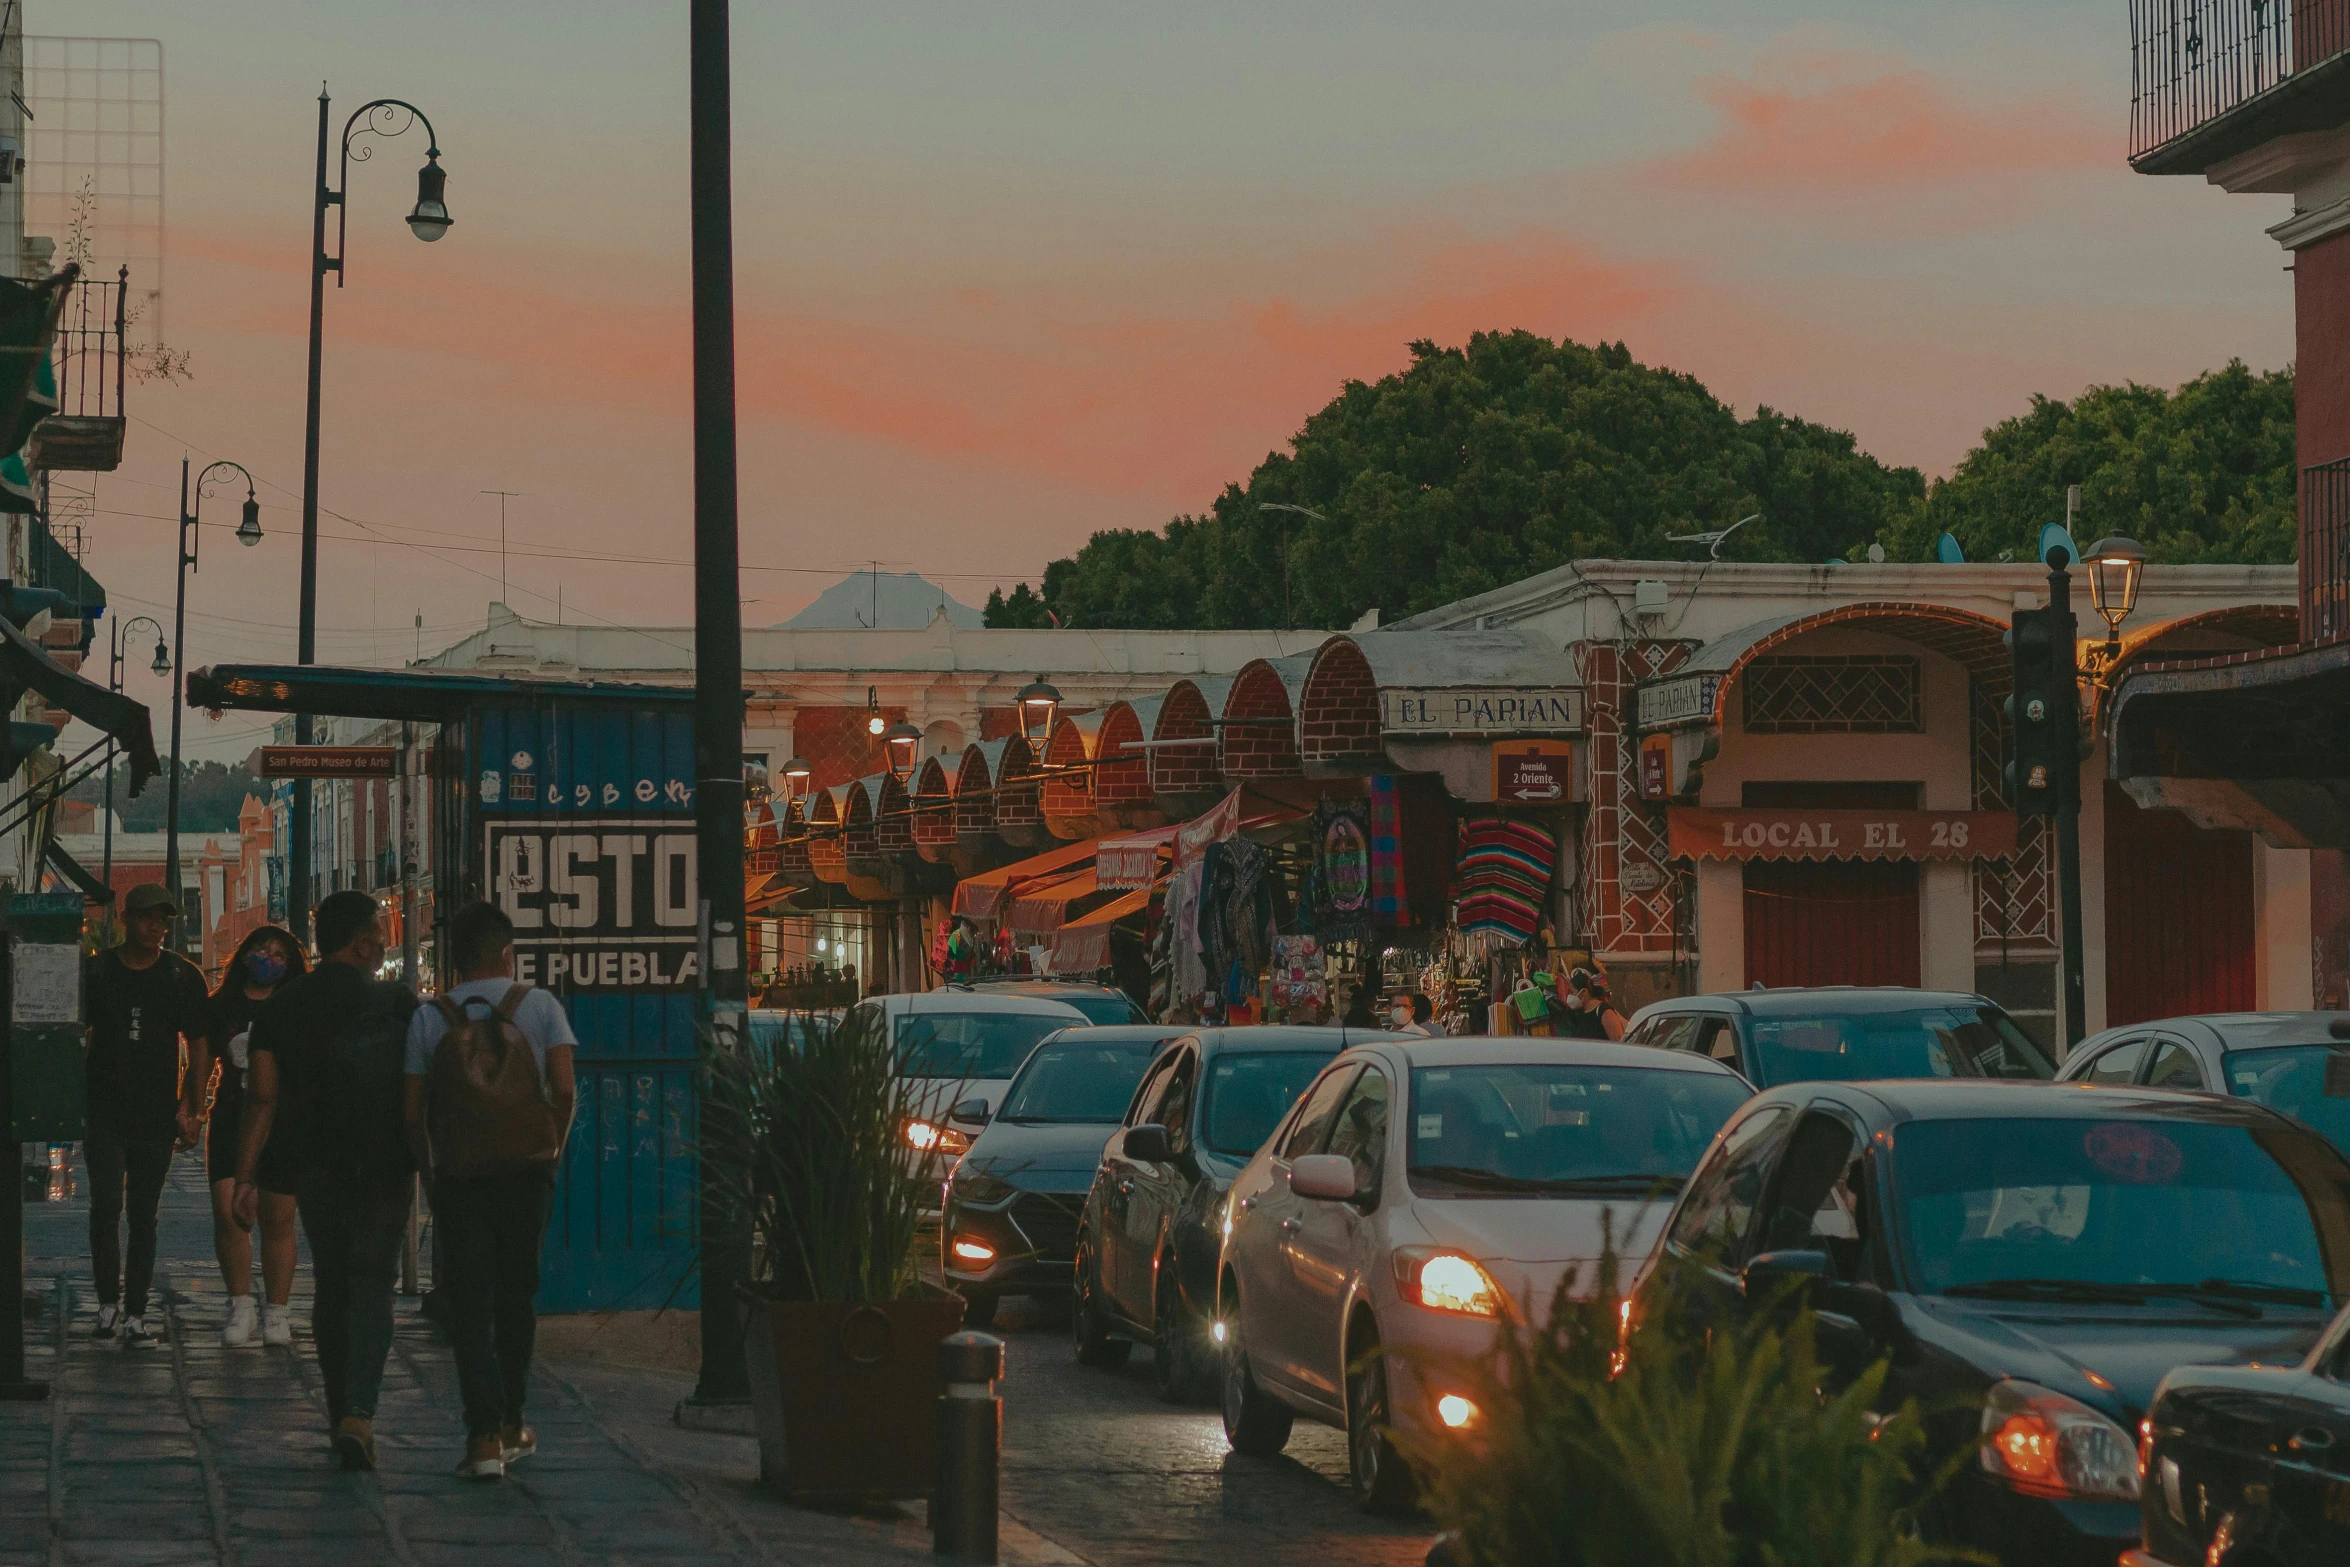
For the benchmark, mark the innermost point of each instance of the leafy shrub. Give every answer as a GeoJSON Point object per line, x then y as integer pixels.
{"type": "Point", "coordinates": [1659, 1448]}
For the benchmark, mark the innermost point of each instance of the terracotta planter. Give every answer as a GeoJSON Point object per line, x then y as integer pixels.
{"type": "Point", "coordinates": [853, 1392]}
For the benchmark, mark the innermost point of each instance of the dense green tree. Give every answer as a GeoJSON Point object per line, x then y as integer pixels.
{"type": "Point", "coordinates": [211, 795]}
{"type": "Point", "coordinates": [2203, 474]}
{"type": "Point", "coordinates": [1023, 611]}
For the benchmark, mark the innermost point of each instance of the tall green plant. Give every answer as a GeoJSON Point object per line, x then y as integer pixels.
{"type": "Point", "coordinates": [805, 1137]}
{"type": "Point", "coordinates": [1665, 1448]}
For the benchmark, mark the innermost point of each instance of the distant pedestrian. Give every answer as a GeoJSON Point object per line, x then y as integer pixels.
{"type": "Point", "coordinates": [264, 960]}
{"type": "Point", "coordinates": [1358, 1008]}
{"type": "Point", "coordinates": [143, 1002]}
{"type": "Point", "coordinates": [1587, 1012]}
{"type": "Point", "coordinates": [1411, 1015]}
{"type": "Point", "coordinates": [489, 1100]}
{"type": "Point", "coordinates": [323, 1113]}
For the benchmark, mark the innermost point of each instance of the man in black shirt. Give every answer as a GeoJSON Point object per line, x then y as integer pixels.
{"type": "Point", "coordinates": [326, 1071]}
{"type": "Point", "coordinates": [143, 1001]}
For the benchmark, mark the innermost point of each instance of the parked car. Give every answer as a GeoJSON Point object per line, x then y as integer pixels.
{"type": "Point", "coordinates": [1152, 1226]}
{"type": "Point", "coordinates": [771, 1027]}
{"type": "Point", "coordinates": [2248, 1464]}
{"type": "Point", "coordinates": [2030, 1262]}
{"type": "Point", "coordinates": [2297, 1062]}
{"type": "Point", "coordinates": [957, 1047]}
{"type": "Point", "coordinates": [1423, 1194]}
{"type": "Point", "coordinates": [1844, 1032]}
{"type": "Point", "coordinates": [1104, 1005]}
{"type": "Point", "coordinates": [1012, 1203]}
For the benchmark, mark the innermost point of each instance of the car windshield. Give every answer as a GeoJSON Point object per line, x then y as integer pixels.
{"type": "Point", "coordinates": [1103, 1008]}
{"type": "Point", "coordinates": [1547, 1129]}
{"type": "Point", "coordinates": [2090, 1209]}
{"type": "Point", "coordinates": [2310, 1083]}
{"type": "Point", "coordinates": [1944, 1041]}
{"type": "Point", "coordinates": [971, 1045]}
{"type": "Point", "coordinates": [1249, 1092]}
{"type": "Point", "coordinates": [1079, 1080]}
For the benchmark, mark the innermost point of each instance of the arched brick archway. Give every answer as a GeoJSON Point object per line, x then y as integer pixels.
{"type": "Point", "coordinates": [860, 839]}
{"type": "Point", "coordinates": [893, 820]}
{"type": "Point", "coordinates": [825, 855]}
{"type": "Point", "coordinates": [1121, 773]}
{"type": "Point", "coordinates": [1184, 778]}
{"type": "Point", "coordinates": [1019, 806]}
{"type": "Point", "coordinates": [1257, 737]}
{"type": "Point", "coordinates": [934, 808]}
{"type": "Point", "coordinates": [1338, 715]}
{"type": "Point", "coordinates": [1068, 781]}
{"type": "Point", "coordinates": [791, 860]}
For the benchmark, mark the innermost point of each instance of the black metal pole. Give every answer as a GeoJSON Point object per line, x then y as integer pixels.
{"type": "Point", "coordinates": [2064, 654]}
{"type": "Point", "coordinates": [718, 658]}
{"type": "Point", "coordinates": [106, 871]}
{"type": "Point", "coordinates": [306, 637]}
{"type": "Point", "coordinates": [179, 665]}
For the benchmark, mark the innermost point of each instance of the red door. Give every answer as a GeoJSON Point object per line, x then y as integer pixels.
{"type": "Point", "coordinates": [1843, 922]}
{"type": "Point", "coordinates": [2178, 915]}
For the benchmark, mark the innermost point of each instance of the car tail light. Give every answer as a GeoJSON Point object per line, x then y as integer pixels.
{"type": "Point", "coordinates": [2044, 1444]}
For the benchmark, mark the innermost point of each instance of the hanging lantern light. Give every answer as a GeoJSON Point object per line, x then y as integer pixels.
{"type": "Point", "coordinates": [249, 530]}
{"type": "Point", "coordinates": [796, 774]}
{"type": "Point", "coordinates": [162, 665]}
{"type": "Point", "coordinates": [903, 742]}
{"type": "Point", "coordinates": [1039, 701]}
{"type": "Point", "coordinates": [874, 722]}
{"type": "Point", "coordinates": [2115, 565]}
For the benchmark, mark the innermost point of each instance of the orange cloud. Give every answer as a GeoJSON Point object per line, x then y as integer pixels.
{"type": "Point", "coordinates": [1834, 120]}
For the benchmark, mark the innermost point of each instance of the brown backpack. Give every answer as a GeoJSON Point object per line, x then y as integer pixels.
{"type": "Point", "coordinates": [489, 1107]}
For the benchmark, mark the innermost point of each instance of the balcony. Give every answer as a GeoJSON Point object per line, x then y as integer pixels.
{"type": "Point", "coordinates": [85, 434]}
{"type": "Point", "coordinates": [2210, 79]}
{"type": "Point", "coordinates": [2325, 551]}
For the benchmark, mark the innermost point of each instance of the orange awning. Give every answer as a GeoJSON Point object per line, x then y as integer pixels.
{"type": "Point", "coordinates": [985, 896]}
{"type": "Point", "coordinates": [1083, 944]}
{"type": "Point", "coordinates": [1133, 860]}
{"type": "Point", "coordinates": [1039, 908]}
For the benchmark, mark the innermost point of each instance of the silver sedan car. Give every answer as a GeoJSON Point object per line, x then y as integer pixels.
{"type": "Point", "coordinates": [2296, 1062]}
{"type": "Point", "coordinates": [1425, 1195]}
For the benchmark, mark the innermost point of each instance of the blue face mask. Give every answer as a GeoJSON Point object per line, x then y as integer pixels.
{"type": "Point", "coordinates": [265, 968]}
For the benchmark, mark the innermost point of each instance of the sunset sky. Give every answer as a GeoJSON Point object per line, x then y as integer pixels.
{"type": "Point", "coordinates": [1012, 272]}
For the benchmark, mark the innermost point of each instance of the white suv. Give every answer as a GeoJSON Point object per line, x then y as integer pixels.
{"type": "Point", "coordinates": [956, 1046]}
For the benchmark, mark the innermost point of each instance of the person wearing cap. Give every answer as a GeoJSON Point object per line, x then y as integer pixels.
{"type": "Point", "coordinates": [144, 1002]}
{"type": "Point", "coordinates": [1587, 1013]}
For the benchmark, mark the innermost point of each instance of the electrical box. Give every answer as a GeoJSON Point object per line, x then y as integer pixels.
{"type": "Point", "coordinates": [47, 1038]}
{"type": "Point", "coordinates": [1649, 596]}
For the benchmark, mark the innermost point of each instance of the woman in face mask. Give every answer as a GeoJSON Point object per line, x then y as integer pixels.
{"type": "Point", "coordinates": [264, 960]}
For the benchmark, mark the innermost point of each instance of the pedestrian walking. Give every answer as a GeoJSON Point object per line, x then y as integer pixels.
{"type": "Point", "coordinates": [489, 1100]}
{"type": "Point", "coordinates": [264, 960]}
{"type": "Point", "coordinates": [323, 1116]}
{"type": "Point", "coordinates": [1587, 1013]}
{"type": "Point", "coordinates": [144, 1001]}
{"type": "Point", "coordinates": [1410, 1015]}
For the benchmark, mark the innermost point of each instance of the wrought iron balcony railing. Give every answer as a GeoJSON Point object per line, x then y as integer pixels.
{"type": "Point", "coordinates": [89, 359]}
{"type": "Point", "coordinates": [2325, 551]}
{"type": "Point", "coordinates": [2192, 61]}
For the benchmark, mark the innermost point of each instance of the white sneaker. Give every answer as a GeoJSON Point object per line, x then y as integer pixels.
{"type": "Point", "coordinates": [277, 1324]}
{"type": "Point", "coordinates": [135, 1334]}
{"type": "Point", "coordinates": [243, 1323]}
{"type": "Point", "coordinates": [108, 1316]}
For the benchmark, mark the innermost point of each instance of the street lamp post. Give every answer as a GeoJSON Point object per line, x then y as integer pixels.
{"type": "Point", "coordinates": [1302, 511]}
{"type": "Point", "coordinates": [191, 540]}
{"type": "Point", "coordinates": [429, 219]}
{"type": "Point", "coordinates": [161, 666]}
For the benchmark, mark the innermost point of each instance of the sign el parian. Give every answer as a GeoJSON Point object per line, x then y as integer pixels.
{"type": "Point", "coordinates": [1684, 699]}
{"type": "Point", "coordinates": [1481, 710]}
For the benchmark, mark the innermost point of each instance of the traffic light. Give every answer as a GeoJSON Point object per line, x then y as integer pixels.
{"type": "Point", "coordinates": [2033, 717]}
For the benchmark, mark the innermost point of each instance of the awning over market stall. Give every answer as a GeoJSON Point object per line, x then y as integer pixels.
{"type": "Point", "coordinates": [1041, 908]}
{"type": "Point", "coordinates": [1132, 861]}
{"type": "Point", "coordinates": [986, 896]}
{"type": "Point", "coordinates": [1083, 945]}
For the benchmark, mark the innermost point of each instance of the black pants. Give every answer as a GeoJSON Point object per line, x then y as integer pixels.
{"type": "Point", "coordinates": [490, 1229]}
{"type": "Point", "coordinates": [355, 1229]}
{"type": "Point", "coordinates": [124, 1169]}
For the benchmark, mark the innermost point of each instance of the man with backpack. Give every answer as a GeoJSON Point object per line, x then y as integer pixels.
{"type": "Point", "coordinates": [489, 1100]}
{"type": "Point", "coordinates": [323, 1109]}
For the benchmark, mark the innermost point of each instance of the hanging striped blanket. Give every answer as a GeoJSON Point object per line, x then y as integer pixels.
{"type": "Point", "coordinates": [1505, 869]}
{"type": "Point", "coordinates": [1390, 898]}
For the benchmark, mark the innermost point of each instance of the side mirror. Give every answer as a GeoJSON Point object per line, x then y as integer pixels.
{"type": "Point", "coordinates": [1148, 1145]}
{"type": "Point", "coordinates": [1771, 1269]}
{"type": "Point", "coordinates": [971, 1112]}
{"type": "Point", "coordinates": [1326, 1177]}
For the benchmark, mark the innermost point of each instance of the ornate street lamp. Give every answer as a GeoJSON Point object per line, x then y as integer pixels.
{"type": "Point", "coordinates": [1039, 701]}
{"type": "Point", "coordinates": [162, 664]}
{"type": "Point", "coordinates": [874, 722]}
{"type": "Point", "coordinates": [796, 774]}
{"type": "Point", "coordinates": [2115, 565]}
{"type": "Point", "coordinates": [191, 544]}
{"type": "Point", "coordinates": [904, 743]}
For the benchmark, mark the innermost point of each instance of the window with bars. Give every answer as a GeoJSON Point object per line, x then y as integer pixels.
{"type": "Point", "coordinates": [1862, 693]}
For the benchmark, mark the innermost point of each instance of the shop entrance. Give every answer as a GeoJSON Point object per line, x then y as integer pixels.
{"type": "Point", "coordinates": [2178, 915]}
{"type": "Point", "coordinates": [1839, 922]}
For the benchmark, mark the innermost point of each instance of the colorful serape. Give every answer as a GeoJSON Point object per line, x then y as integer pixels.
{"type": "Point", "coordinates": [1390, 901]}
{"type": "Point", "coordinates": [1505, 869]}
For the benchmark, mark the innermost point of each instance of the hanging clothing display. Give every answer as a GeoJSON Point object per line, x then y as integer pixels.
{"type": "Point", "coordinates": [1297, 978]}
{"type": "Point", "coordinates": [1390, 898]}
{"type": "Point", "coordinates": [1341, 902]}
{"type": "Point", "coordinates": [1235, 916]}
{"type": "Point", "coordinates": [1504, 874]}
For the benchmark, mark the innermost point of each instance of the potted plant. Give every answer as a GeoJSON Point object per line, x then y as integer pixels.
{"type": "Point", "coordinates": [806, 1138]}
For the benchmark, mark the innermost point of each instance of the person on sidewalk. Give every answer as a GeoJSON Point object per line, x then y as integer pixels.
{"type": "Point", "coordinates": [1410, 1015]}
{"type": "Point", "coordinates": [143, 1002]}
{"type": "Point", "coordinates": [1587, 1013]}
{"type": "Point", "coordinates": [489, 1100]}
{"type": "Point", "coordinates": [323, 1114]}
{"type": "Point", "coordinates": [262, 962]}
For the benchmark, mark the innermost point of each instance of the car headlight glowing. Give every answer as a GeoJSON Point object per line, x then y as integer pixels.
{"type": "Point", "coordinates": [1455, 1411]}
{"type": "Point", "coordinates": [1447, 1281]}
{"type": "Point", "coordinates": [921, 1136]}
{"type": "Point", "coordinates": [978, 1253]}
{"type": "Point", "coordinates": [2044, 1444]}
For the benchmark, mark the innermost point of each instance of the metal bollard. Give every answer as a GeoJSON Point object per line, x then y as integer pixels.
{"type": "Point", "coordinates": [970, 1448]}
